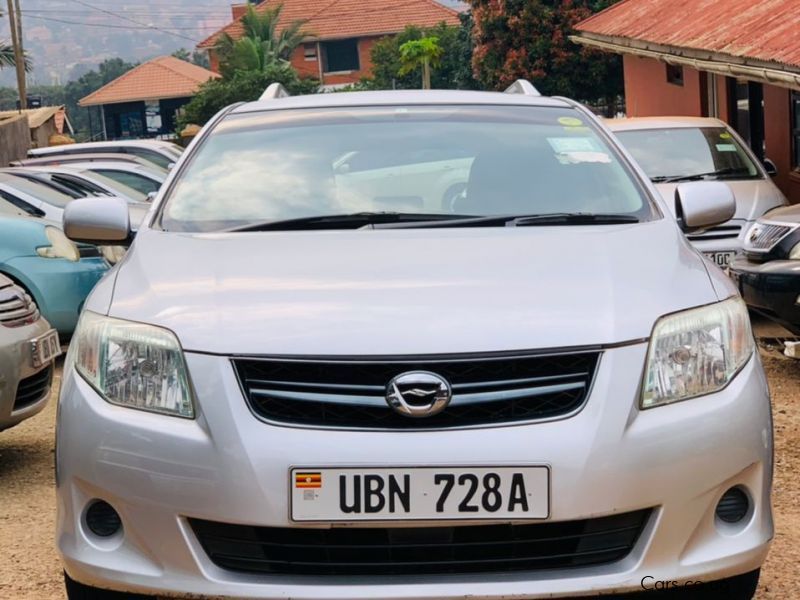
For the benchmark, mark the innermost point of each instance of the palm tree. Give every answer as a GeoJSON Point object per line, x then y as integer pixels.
{"type": "Point", "coordinates": [261, 44]}
{"type": "Point", "coordinates": [6, 55]}
{"type": "Point", "coordinates": [425, 53]}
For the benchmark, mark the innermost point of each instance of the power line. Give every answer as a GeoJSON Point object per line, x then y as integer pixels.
{"type": "Point", "coordinates": [111, 26]}
{"type": "Point", "coordinates": [124, 18]}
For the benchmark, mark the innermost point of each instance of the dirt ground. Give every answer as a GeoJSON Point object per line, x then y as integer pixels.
{"type": "Point", "coordinates": [30, 570]}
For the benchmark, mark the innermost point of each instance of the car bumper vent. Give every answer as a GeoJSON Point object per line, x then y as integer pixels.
{"type": "Point", "coordinates": [423, 550]}
{"type": "Point", "coordinates": [34, 388]}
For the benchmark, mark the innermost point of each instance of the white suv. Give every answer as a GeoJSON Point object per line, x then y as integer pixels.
{"type": "Point", "coordinates": [307, 381]}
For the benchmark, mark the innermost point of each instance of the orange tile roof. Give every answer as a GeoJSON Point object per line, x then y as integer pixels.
{"type": "Point", "coordinates": [163, 77]}
{"type": "Point", "coordinates": [337, 19]}
{"type": "Point", "coordinates": [764, 30]}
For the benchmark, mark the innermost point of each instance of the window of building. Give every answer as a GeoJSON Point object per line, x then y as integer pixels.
{"type": "Point", "coordinates": [796, 130]}
{"type": "Point", "coordinates": [675, 74]}
{"type": "Point", "coordinates": [310, 52]}
{"type": "Point", "coordinates": [341, 55]}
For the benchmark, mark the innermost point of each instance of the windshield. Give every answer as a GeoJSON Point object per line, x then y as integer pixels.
{"type": "Point", "coordinates": [451, 160]}
{"type": "Point", "coordinates": [689, 151]}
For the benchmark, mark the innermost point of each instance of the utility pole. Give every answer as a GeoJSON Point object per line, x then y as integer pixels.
{"type": "Point", "coordinates": [15, 20]}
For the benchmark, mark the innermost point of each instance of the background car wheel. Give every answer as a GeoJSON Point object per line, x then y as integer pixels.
{"type": "Point", "coordinates": [78, 591]}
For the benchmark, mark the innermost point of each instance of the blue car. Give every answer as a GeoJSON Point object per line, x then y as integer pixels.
{"type": "Point", "coordinates": [57, 273]}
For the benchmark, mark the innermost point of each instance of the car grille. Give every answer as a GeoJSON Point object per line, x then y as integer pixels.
{"type": "Point", "coordinates": [421, 550]}
{"type": "Point", "coordinates": [16, 306]}
{"type": "Point", "coordinates": [764, 236]}
{"type": "Point", "coordinates": [86, 251]}
{"type": "Point", "coordinates": [33, 388]}
{"type": "Point", "coordinates": [727, 231]}
{"type": "Point", "coordinates": [351, 393]}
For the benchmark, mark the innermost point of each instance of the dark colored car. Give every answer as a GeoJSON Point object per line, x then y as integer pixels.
{"type": "Point", "coordinates": [768, 274]}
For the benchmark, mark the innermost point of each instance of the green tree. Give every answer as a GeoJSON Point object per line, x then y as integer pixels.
{"type": "Point", "coordinates": [6, 54]}
{"type": "Point", "coordinates": [455, 64]}
{"type": "Point", "coordinates": [195, 57]}
{"type": "Point", "coordinates": [530, 39]}
{"type": "Point", "coordinates": [424, 54]}
{"type": "Point", "coordinates": [261, 45]}
{"type": "Point", "coordinates": [241, 86]}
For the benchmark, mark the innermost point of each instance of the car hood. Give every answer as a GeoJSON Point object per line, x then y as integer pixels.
{"type": "Point", "coordinates": [786, 214]}
{"type": "Point", "coordinates": [423, 291]}
{"type": "Point", "coordinates": [754, 197]}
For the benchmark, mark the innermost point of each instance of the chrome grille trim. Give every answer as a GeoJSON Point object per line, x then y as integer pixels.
{"type": "Point", "coordinates": [16, 306]}
{"type": "Point", "coordinates": [764, 236]}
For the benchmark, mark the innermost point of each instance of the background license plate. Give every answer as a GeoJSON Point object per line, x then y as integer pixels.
{"type": "Point", "coordinates": [420, 494]}
{"type": "Point", "coordinates": [45, 348]}
{"type": "Point", "coordinates": [721, 259]}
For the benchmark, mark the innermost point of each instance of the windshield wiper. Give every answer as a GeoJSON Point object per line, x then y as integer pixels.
{"type": "Point", "coordinates": [520, 221]}
{"type": "Point", "coordinates": [699, 176]}
{"type": "Point", "coordinates": [343, 221]}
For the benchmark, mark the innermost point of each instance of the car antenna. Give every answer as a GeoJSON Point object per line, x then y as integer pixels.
{"type": "Point", "coordinates": [275, 91]}
{"type": "Point", "coordinates": [524, 87]}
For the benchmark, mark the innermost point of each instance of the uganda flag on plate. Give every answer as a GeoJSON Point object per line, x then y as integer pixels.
{"type": "Point", "coordinates": [308, 480]}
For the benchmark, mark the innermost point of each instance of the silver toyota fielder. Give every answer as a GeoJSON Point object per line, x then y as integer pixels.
{"type": "Point", "coordinates": [412, 345]}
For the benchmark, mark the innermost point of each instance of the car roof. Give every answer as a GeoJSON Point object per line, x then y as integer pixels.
{"type": "Point", "coordinates": [393, 97]}
{"type": "Point", "coordinates": [640, 123]}
{"type": "Point", "coordinates": [100, 146]}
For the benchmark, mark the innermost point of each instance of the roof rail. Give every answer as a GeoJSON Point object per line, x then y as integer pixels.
{"type": "Point", "coordinates": [274, 91]}
{"type": "Point", "coordinates": [524, 87]}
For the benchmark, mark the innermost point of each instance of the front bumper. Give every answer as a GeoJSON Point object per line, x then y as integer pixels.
{"type": "Point", "coordinates": [771, 289]}
{"type": "Point", "coordinates": [227, 466]}
{"type": "Point", "coordinates": [16, 364]}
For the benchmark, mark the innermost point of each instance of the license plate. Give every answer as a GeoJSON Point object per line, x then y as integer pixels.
{"type": "Point", "coordinates": [420, 494]}
{"type": "Point", "coordinates": [721, 259]}
{"type": "Point", "coordinates": [45, 348]}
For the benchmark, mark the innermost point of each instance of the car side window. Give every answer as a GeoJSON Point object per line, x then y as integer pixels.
{"type": "Point", "coordinates": [133, 180]}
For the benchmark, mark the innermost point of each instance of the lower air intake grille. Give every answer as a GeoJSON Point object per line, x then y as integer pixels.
{"type": "Point", "coordinates": [423, 550]}
{"type": "Point", "coordinates": [487, 390]}
{"type": "Point", "coordinates": [32, 389]}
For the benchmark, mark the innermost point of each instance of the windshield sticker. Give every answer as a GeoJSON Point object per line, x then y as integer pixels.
{"type": "Point", "coordinates": [574, 158]}
{"type": "Point", "coordinates": [725, 135]}
{"type": "Point", "coordinates": [726, 147]}
{"type": "Point", "coordinates": [573, 144]}
{"type": "Point", "coordinates": [570, 121]}
{"type": "Point", "coordinates": [574, 150]}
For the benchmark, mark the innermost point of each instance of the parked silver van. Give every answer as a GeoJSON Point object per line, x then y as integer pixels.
{"type": "Point", "coordinates": [319, 374]}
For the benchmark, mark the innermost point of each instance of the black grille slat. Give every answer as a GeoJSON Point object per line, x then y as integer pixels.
{"type": "Point", "coordinates": [721, 232]}
{"type": "Point", "coordinates": [350, 393]}
{"type": "Point", "coordinates": [432, 550]}
{"type": "Point", "coordinates": [32, 389]}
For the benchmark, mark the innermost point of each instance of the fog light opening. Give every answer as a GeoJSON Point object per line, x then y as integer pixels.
{"type": "Point", "coordinates": [102, 520]}
{"type": "Point", "coordinates": [734, 506]}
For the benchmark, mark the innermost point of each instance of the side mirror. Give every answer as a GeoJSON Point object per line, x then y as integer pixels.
{"type": "Point", "coordinates": [770, 167]}
{"type": "Point", "coordinates": [703, 204]}
{"type": "Point", "coordinates": [99, 221]}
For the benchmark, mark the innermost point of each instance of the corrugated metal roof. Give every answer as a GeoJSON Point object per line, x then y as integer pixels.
{"type": "Point", "coordinates": [36, 116]}
{"type": "Point", "coordinates": [764, 30]}
{"type": "Point", "coordinates": [332, 19]}
{"type": "Point", "coordinates": [163, 77]}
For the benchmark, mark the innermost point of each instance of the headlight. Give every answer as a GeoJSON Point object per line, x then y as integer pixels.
{"type": "Point", "coordinates": [696, 352]}
{"type": "Point", "coordinates": [60, 246]}
{"type": "Point", "coordinates": [113, 254]}
{"type": "Point", "coordinates": [132, 364]}
{"type": "Point", "coordinates": [795, 253]}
